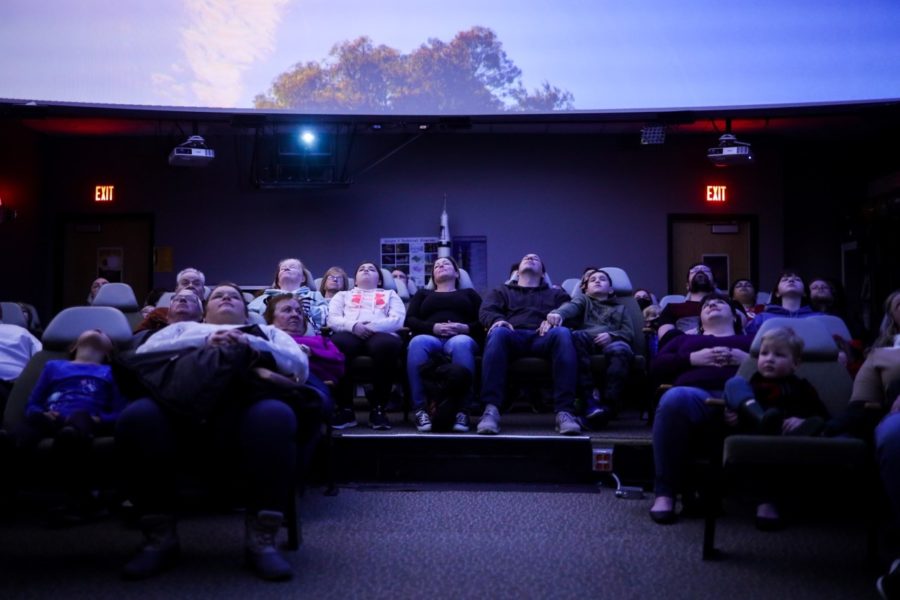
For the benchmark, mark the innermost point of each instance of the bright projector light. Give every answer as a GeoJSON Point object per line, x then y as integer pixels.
{"type": "Point", "coordinates": [308, 138]}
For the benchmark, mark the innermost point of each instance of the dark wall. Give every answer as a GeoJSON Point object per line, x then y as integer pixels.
{"type": "Point", "coordinates": [576, 199]}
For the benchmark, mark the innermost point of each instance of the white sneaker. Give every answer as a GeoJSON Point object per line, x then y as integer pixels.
{"type": "Point", "coordinates": [490, 421]}
{"type": "Point", "coordinates": [423, 421]}
{"type": "Point", "coordinates": [567, 424]}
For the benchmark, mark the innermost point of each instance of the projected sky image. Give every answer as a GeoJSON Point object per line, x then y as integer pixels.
{"type": "Point", "coordinates": [460, 57]}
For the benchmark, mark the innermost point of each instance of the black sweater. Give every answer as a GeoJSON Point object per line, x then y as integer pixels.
{"type": "Point", "coordinates": [521, 307]}
{"type": "Point", "coordinates": [428, 307]}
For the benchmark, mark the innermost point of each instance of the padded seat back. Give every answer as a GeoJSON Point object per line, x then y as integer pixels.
{"type": "Point", "coordinates": [671, 298]}
{"type": "Point", "coordinates": [13, 314]}
{"type": "Point", "coordinates": [61, 332]}
{"type": "Point", "coordinates": [117, 295]}
{"type": "Point", "coordinates": [570, 285]}
{"type": "Point", "coordinates": [819, 362]}
{"type": "Point", "coordinates": [834, 325]}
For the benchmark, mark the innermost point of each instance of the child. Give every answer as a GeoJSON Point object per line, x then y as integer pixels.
{"type": "Point", "coordinates": [775, 401]}
{"type": "Point", "coordinates": [73, 401]}
{"type": "Point", "coordinates": [602, 327]}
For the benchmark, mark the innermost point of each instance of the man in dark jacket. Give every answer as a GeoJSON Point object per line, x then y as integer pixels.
{"type": "Point", "coordinates": [514, 315]}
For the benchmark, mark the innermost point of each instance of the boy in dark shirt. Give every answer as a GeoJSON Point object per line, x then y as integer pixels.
{"type": "Point", "coordinates": [775, 400]}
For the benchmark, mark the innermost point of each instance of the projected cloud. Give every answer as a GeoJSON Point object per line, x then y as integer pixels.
{"type": "Point", "coordinates": [223, 39]}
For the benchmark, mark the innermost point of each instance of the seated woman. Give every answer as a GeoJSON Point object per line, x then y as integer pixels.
{"type": "Point", "coordinates": [259, 438]}
{"type": "Point", "coordinates": [285, 312]}
{"type": "Point", "coordinates": [789, 299]}
{"type": "Point", "coordinates": [443, 320]}
{"type": "Point", "coordinates": [365, 320]}
{"type": "Point", "coordinates": [600, 327]}
{"type": "Point", "coordinates": [291, 277]}
{"type": "Point", "coordinates": [744, 293]}
{"type": "Point", "coordinates": [698, 367]}
{"type": "Point", "coordinates": [876, 392]}
{"type": "Point", "coordinates": [333, 281]}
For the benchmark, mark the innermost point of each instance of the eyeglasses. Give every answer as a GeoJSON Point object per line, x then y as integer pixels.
{"type": "Point", "coordinates": [335, 278]}
{"type": "Point", "coordinates": [191, 282]}
{"type": "Point", "coordinates": [819, 286]}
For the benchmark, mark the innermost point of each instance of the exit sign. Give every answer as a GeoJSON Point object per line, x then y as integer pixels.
{"type": "Point", "coordinates": [104, 193]}
{"type": "Point", "coordinates": [716, 194]}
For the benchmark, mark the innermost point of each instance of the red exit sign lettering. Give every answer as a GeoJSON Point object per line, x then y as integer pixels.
{"type": "Point", "coordinates": [716, 193]}
{"type": "Point", "coordinates": [104, 193]}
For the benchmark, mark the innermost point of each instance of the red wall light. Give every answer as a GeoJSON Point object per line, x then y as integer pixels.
{"type": "Point", "coordinates": [716, 194]}
{"type": "Point", "coordinates": [104, 193]}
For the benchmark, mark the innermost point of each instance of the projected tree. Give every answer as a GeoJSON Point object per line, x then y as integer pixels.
{"type": "Point", "coordinates": [470, 74]}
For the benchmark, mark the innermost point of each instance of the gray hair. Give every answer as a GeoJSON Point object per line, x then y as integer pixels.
{"type": "Point", "coordinates": [183, 271]}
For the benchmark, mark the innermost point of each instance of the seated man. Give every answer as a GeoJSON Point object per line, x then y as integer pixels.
{"type": "Point", "coordinates": [185, 306]}
{"type": "Point", "coordinates": [514, 314]}
{"type": "Point", "coordinates": [157, 318]}
{"type": "Point", "coordinates": [17, 346]}
{"type": "Point", "coordinates": [602, 327]}
{"type": "Point", "coordinates": [684, 317]}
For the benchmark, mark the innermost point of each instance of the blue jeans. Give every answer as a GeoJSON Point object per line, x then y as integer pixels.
{"type": "Point", "coordinates": [618, 364]}
{"type": "Point", "coordinates": [504, 345]}
{"type": "Point", "coordinates": [887, 451]}
{"type": "Point", "coordinates": [684, 424]}
{"type": "Point", "coordinates": [460, 348]}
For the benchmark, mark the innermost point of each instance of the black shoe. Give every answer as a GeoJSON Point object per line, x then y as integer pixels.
{"type": "Point", "coordinates": [663, 517]}
{"type": "Point", "coordinates": [423, 421]}
{"type": "Point", "coordinates": [597, 417]}
{"type": "Point", "coordinates": [378, 420]}
{"type": "Point", "coordinates": [159, 551]}
{"type": "Point", "coordinates": [461, 423]}
{"type": "Point", "coordinates": [344, 418]}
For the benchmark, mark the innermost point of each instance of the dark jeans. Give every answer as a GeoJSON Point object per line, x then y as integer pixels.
{"type": "Point", "coordinates": [5, 389]}
{"type": "Point", "coordinates": [618, 364]}
{"type": "Point", "coordinates": [72, 437]}
{"type": "Point", "coordinates": [504, 345]}
{"type": "Point", "coordinates": [887, 451]}
{"type": "Point", "coordinates": [684, 427]}
{"type": "Point", "coordinates": [258, 439]}
{"type": "Point", "coordinates": [384, 349]}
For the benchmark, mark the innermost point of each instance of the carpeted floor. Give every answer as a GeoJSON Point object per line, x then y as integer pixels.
{"type": "Point", "coordinates": [442, 541]}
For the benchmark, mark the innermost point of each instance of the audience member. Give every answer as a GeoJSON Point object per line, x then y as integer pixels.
{"type": "Point", "coordinates": [17, 346]}
{"type": "Point", "coordinates": [775, 401]}
{"type": "Point", "coordinates": [698, 367]}
{"type": "Point", "coordinates": [401, 279]}
{"type": "Point", "coordinates": [365, 320]}
{"type": "Point", "coordinates": [333, 281]}
{"type": "Point", "coordinates": [187, 279]}
{"type": "Point", "coordinates": [184, 306]}
{"type": "Point", "coordinates": [293, 278]}
{"type": "Point", "coordinates": [601, 327]}
{"type": "Point", "coordinates": [72, 402]}
{"type": "Point", "coordinates": [514, 315]}
{"type": "Point", "coordinates": [443, 321]}
{"type": "Point", "coordinates": [285, 312]}
{"type": "Point", "coordinates": [789, 299]}
{"type": "Point", "coordinates": [744, 293]}
{"type": "Point", "coordinates": [95, 287]}
{"type": "Point", "coordinates": [258, 436]}
{"type": "Point", "coordinates": [684, 317]}
{"type": "Point", "coordinates": [644, 298]}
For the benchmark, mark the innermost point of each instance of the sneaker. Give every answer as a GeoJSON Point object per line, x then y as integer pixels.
{"type": "Point", "coordinates": [567, 424]}
{"type": "Point", "coordinates": [889, 585]}
{"type": "Point", "coordinates": [461, 425]}
{"type": "Point", "coordinates": [344, 418]}
{"type": "Point", "coordinates": [597, 417]}
{"type": "Point", "coordinates": [490, 421]}
{"type": "Point", "coordinates": [378, 420]}
{"type": "Point", "coordinates": [260, 553]}
{"type": "Point", "coordinates": [159, 551]}
{"type": "Point", "coordinates": [423, 421]}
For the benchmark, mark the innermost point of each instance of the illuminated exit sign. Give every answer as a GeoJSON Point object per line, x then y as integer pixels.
{"type": "Point", "coordinates": [716, 194]}
{"type": "Point", "coordinates": [103, 193]}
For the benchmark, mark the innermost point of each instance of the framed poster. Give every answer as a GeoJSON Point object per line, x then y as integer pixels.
{"type": "Point", "coordinates": [412, 255]}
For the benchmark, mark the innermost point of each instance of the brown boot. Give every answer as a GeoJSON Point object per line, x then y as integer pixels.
{"type": "Point", "coordinates": [260, 552]}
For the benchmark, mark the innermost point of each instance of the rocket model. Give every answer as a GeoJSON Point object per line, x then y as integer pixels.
{"type": "Point", "coordinates": [444, 244]}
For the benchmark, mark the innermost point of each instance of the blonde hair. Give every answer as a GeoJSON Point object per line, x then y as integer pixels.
{"type": "Point", "coordinates": [784, 336]}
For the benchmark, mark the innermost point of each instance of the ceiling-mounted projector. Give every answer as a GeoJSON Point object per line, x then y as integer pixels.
{"type": "Point", "coordinates": [730, 152]}
{"type": "Point", "coordinates": [192, 153]}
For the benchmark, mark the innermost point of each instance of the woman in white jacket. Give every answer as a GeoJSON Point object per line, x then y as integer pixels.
{"type": "Point", "coordinates": [365, 320]}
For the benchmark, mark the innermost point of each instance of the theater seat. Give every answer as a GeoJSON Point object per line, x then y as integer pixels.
{"type": "Point", "coordinates": [13, 314]}
{"type": "Point", "coordinates": [570, 285]}
{"type": "Point", "coordinates": [60, 334]}
{"type": "Point", "coordinates": [671, 298]}
{"type": "Point", "coordinates": [120, 296]}
{"type": "Point", "coordinates": [796, 465]}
